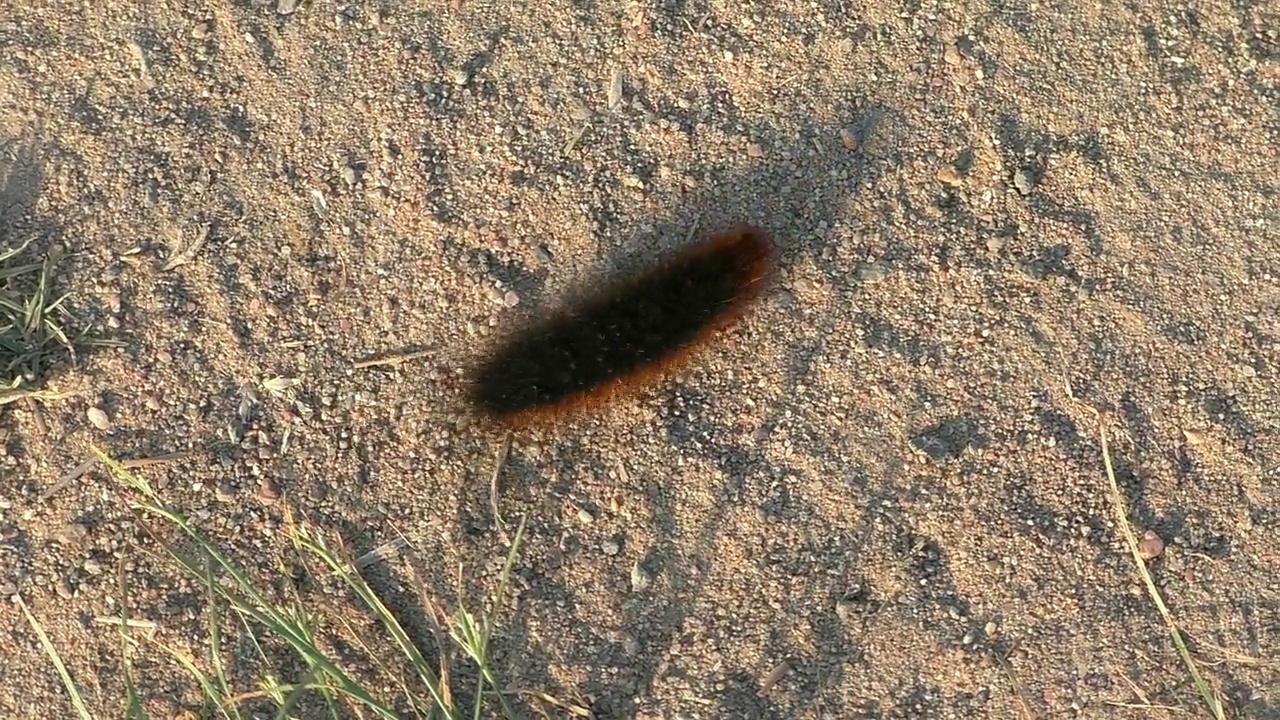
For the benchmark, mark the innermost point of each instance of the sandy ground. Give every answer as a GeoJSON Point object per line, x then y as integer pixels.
{"type": "Point", "coordinates": [995, 219]}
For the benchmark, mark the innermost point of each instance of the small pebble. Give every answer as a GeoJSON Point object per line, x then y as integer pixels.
{"type": "Point", "coordinates": [99, 418]}
{"type": "Point", "coordinates": [510, 299]}
{"type": "Point", "coordinates": [268, 491]}
{"type": "Point", "coordinates": [202, 30]}
{"type": "Point", "coordinates": [1193, 437]}
{"type": "Point", "coordinates": [459, 77]}
{"type": "Point", "coordinates": [949, 176]}
{"type": "Point", "coordinates": [1022, 181]}
{"type": "Point", "coordinates": [806, 285]}
{"type": "Point", "coordinates": [848, 139]}
{"type": "Point", "coordinates": [64, 589]}
{"type": "Point", "coordinates": [990, 629]}
{"type": "Point", "coordinates": [630, 645]}
{"type": "Point", "coordinates": [641, 578]}
{"type": "Point", "coordinates": [224, 492]}
{"type": "Point", "coordinates": [1150, 546]}
{"type": "Point", "coordinates": [610, 547]}
{"type": "Point", "coordinates": [93, 567]}
{"type": "Point", "coordinates": [72, 533]}
{"type": "Point", "coordinates": [846, 608]}
{"type": "Point", "coordinates": [872, 272]}
{"type": "Point", "coordinates": [286, 7]}
{"type": "Point", "coordinates": [585, 517]}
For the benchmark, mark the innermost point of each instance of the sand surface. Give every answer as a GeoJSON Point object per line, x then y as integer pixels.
{"type": "Point", "coordinates": [995, 220]}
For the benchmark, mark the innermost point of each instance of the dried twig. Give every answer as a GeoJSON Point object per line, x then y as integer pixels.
{"type": "Point", "coordinates": [156, 459]}
{"type": "Point", "coordinates": [389, 360]}
{"type": "Point", "coordinates": [69, 478]}
{"type": "Point", "coordinates": [88, 466]}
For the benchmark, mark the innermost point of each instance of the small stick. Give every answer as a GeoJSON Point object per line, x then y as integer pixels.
{"type": "Point", "coordinates": [389, 360]}
{"type": "Point", "coordinates": [88, 465]}
{"type": "Point", "coordinates": [155, 460]}
{"type": "Point", "coordinates": [41, 428]}
{"type": "Point", "coordinates": [776, 674]}
{"type": "Point", "coordinates": [69, 478]}
{"type": "Point", "coordinates": [1018, 690]}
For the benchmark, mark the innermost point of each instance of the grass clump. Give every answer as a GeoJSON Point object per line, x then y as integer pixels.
{"type": "Point", "coordinates": [33, 337]}
{"type": "Point", "coordinates": [235, 604]}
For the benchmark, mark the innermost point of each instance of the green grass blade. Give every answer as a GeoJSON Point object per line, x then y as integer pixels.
{"type": "Point", "coordinates": [248, 601]}
{"type": "Point", "coordinates": [133, 709]}
{"type": "Point", "coordinates": [356, 582]}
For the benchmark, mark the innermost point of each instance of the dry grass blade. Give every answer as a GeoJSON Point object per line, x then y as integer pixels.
{"type": "Point", "coordinates": [573, 709]}
{"type": "Point", "coordinates": [76, 700]}
{"type": "Point", "coordinates": [142, 462]}
{"type": "Point", "coordinates": [133, 703]}
{"type": "Point", "coordinates": [147, 625]}
{"type": "Point", "coordinates": [284, 388]}
{"type": "Point", "coordinates": [15, 393]}
{"type": "Point", "coordinates": [88, 465]}
{"type": "Point", "coordinates": [498, 465]}
{"type": "Point", "coordinates": [1207, 694]}
{"type": "Point", "coordinates": [1239, 658]}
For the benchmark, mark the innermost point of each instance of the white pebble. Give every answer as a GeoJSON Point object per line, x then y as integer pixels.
{"type": "Point", "coordinates": [99, 418]}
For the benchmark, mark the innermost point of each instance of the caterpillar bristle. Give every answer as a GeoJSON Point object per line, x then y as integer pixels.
{"type": "Point", "coordinates": [626, 334]}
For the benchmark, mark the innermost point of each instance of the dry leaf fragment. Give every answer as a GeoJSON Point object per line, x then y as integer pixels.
{"type": "Point", "coordinates": [281, 386]}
